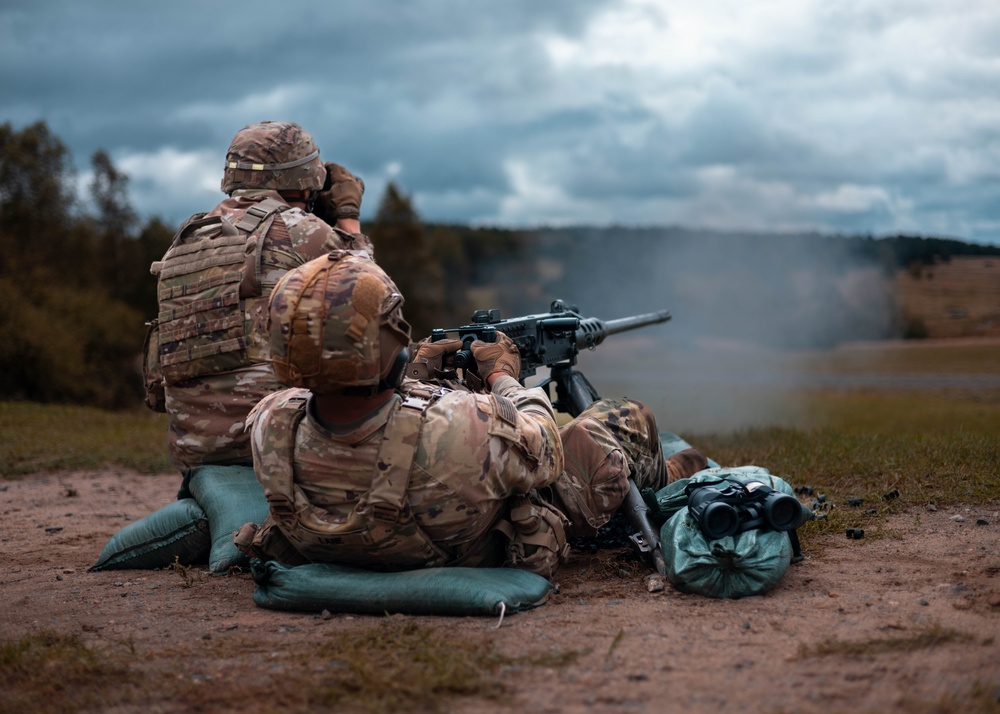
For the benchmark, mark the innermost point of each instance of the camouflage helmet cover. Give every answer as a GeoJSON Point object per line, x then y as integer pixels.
{"type": "Point", "coordinates": [336, 322]}
{"type": "Point", "coordinates": [279, 155]}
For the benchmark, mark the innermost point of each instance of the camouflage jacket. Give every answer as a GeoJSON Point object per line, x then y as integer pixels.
{"type": "Point", "coordinates": [208, 414]}
{"type": "Point", "coordinates": [473, 452]}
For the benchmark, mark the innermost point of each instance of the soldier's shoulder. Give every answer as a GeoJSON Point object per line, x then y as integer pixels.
{"type": "Point", "coordinates": [298, 220]}
{"type": "Point", "coordinates": [293, 398]}
{"type": "Point", "coordinates": [460, 401]}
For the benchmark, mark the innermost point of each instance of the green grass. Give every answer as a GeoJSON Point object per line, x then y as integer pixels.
{"type": "Point", "coordinates": [940, 446]}
{"type": "Point", "coordinates": [46, 437]}
{"type": "Point", "coordinates": [931, 448]}
{"type": "Point", "coordinates": [928, 357]}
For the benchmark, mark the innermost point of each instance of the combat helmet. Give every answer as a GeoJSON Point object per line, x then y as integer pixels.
{"type": "Point", "coordinates": [336, 326]}
{"type": "Point", "coordinates": [279, 155]}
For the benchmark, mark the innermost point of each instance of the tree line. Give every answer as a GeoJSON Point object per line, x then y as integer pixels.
{"type": "Point", "coordinates": [76, 292]}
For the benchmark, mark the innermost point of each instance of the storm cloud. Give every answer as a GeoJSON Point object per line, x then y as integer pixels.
{"type": "Point", "coordinates": [845, 116]}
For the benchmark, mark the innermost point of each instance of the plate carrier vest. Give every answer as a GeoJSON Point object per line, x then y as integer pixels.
{"type": "Point", "coordinates": [381, 528]}
{"type": "Point", "coordinates": [203, 283]}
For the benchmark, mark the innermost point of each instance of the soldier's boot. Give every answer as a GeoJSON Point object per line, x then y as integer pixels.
{"type": "Point", "coordinates": [685, 463]}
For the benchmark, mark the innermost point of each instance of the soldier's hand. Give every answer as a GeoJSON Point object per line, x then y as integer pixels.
{"type": "Point", "coordinates": [496, 357]}
{"type": "Point", "coordinates": [428, 350]}
{"type": "Point", "coordinates": [428, 359]}
{"type": "Point", "coordinates": [341, 195]}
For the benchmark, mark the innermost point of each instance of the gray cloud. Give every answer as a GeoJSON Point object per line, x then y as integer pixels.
{"type": "Point", "coordinates": [871, 116]}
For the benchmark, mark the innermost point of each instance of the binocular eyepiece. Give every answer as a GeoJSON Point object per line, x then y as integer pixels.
{"type": "Point", "coordinates": [725, 509]}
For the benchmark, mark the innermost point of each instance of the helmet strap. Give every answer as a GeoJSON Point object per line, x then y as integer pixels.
{"type": "Point", "coordinates": [395, 376]}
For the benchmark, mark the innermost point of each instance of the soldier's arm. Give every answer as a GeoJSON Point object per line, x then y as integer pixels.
{"type": "Point", "coordinates": [531, 413]}
{"type": "Point", "coordinates": [312, 237]}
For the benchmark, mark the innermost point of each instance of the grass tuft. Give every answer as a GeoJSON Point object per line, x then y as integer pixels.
{"type": "Point", "coordinates": [403, 665]}
{"type": "Point", "coordinates": [51, 673]}
{"type": "Point", "coordinates": [399, 664]}
{"type": "Point", "coordinates": [929, 637]}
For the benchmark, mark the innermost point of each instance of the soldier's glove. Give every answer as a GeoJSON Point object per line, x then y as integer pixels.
{"type": "Point", "coordinates": [428, 360]}
{"type": "Point", "coordinates": [340, 196]}
{"type": "Point", "coordinates": [494, 357]}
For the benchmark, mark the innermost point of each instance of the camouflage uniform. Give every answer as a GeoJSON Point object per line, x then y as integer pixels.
{"type": "Point", "coordinates": [208, 414]}
{"type": "Point", "coordinates": [224, 369]}
{"type": "Point", "coordinates": [608, 442]}
{"type": "Point", "coordinates": [206, 360]}
{"type": "Point", "coordinates": [462, 472]}
{"type": "Point", "coordinates": [474, 452]}
{"type": "Point", "coordinates": [433, 476]}
{"type": "Point", "coordinates": [427, 477]}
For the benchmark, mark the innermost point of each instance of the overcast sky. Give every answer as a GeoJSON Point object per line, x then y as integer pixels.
{"type": "Point", "coordinates": [847, 116]}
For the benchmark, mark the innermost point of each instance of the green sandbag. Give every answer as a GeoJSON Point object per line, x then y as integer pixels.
{"type": "Point", "coordinates": [430, 591]}
{"type": "Point", "coordinates": [231, 496]}
{"type": "Point", "coordinates": [178, 531]}
{"type": "Point", "coordinates": [740, 565]}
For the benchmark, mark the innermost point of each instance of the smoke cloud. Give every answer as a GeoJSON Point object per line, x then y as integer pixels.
{"type": "Point", "coordinates": [747, 311]}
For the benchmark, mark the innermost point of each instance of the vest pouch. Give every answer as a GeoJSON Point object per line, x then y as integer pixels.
{"type": "Point", "coordinates": [364, 540]}
{"type": "Point", "coordinates": [152, 377]}
{"type": "Point", "coordinates": [201, 314]}
{"type": "Point", "coordinates": [204, 283]}
{"type": "Point", "coordinates": [536, 536]}
{"type": "Point", "coordinates": [255, 328]}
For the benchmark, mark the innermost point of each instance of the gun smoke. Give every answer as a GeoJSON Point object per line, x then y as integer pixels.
{"type": "Point", "coordinates": [745, 309]}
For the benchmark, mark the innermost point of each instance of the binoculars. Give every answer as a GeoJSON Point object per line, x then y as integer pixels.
{"type": "Point", "coordinates": [726, 508]}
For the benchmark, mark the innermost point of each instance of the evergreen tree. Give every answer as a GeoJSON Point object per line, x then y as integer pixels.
{"type": "Point", "coordinates": [402, 250]}
{"type": "Point", "coordinates": [114, 221]}
{"type": "Point", "coordinates": [36, 197]}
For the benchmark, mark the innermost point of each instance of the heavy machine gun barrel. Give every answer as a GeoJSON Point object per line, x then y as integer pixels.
{"type": "Point", "coordinates": [592, 331]}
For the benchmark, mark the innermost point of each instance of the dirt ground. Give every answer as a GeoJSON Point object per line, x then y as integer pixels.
{"type": "Point", "coordinates": [908, 620]}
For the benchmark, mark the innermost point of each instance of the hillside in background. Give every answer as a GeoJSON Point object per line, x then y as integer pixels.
{"type": "Point", "coordinates": [955, 298]}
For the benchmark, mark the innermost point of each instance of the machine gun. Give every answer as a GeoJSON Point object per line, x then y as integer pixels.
{"type": "Point", "coordinates": [554, 339]}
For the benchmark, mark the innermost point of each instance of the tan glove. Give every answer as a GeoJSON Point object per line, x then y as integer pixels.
{"type": "Point", "coordinates": [340, 196]}
{"type": "Point", "coordinates": [428, 359]}
{"type": "Point", "coordinates": [495, 357]}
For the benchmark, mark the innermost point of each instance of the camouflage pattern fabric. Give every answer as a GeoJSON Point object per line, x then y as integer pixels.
{"type": "Point", "coordinates": [474, 452]}
{"type": "Point", "coordinates": [208, 413]}
{"type": "Point", "coordinates": [203, 282]}
{"type": "Point", "coordinates": [336, 323]}
{"type": "Point", "coordinates": [609, 441]}
{"type": "Point", "coordinates": [275, 155]}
